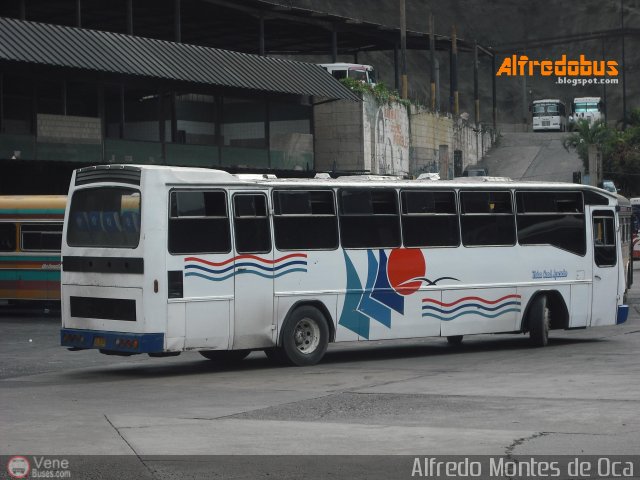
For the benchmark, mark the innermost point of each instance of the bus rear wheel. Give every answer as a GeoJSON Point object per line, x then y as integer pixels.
{"type": "Point", "coordinates": [539, 320]}
{"type": "Point", "coordinates": [305, 337]}
{"type": "Point", "coordinates": [225, 356]}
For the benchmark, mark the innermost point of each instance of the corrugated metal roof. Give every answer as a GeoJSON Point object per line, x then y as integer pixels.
{"type": "Point", "coordinates": [91, 50]}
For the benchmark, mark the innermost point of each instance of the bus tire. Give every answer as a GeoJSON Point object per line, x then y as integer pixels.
{"type": "Point", "coordinates": [455, 339]}
{"type": "Point", "coordinates": [225, 356]}
{"type": "Point", "coordinates": [305, 337]}
{"type": "Point", "coordinates": [539, 321]}
{"type": "Point", "coordinates": [276, 355]}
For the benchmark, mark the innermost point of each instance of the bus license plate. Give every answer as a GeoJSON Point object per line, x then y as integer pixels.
{"type": "Point", "coordinates": [99, 342]}
{"type": "Point", "coordinates": [546, 123]}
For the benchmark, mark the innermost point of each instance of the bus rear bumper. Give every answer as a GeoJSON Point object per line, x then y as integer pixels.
{"type": "Point", "coordinates": [112, 342]}
{"type": "Point", "coordinates": [623, 313]}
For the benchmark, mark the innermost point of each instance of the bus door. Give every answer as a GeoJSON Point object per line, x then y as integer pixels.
{"type": "Point", "coordinates": [254, 271]}
{"type": "Point", "coordinates": [605, 267]}
{"type": "Point", "coordinates": [200, 287]}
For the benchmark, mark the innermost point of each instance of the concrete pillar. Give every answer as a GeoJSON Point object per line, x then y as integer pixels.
{"type": "Point", "coordinates": [443, 155]}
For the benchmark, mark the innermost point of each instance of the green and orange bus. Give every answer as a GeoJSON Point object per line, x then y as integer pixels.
{"type": "Point", "coordinates": [30, 237]}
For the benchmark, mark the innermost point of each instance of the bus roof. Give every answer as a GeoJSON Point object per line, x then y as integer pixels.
{"type": "Point", "coordinates": [204, 176]}
{"type": "Point", "coordinates": [586, 99]}
{"type": "Point", "coordinates": [548, 100]}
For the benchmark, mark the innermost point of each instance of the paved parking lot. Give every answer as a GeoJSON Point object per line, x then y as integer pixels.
{"type": "Point", "coordinates": [494, 395]}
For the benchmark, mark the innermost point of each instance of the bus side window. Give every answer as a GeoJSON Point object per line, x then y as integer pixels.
{"type": "Point", "coordinates": [552, 218]}
{"type": "Point", "coordinates": [486, 218]}
{"type": "Point", "coordinates": [7, 237]}
{"type": "Point", "coordinates": [604, 238]}
{"type": "Point", "coordinates": [305, 220]}
{"type": "Point", "coordinates": [251, 223]}
{"type": "Point", "coordinates": [369, 218]}
{"type": "Point", "coordinates": [42, 237]}
{"type": "Point", "coordinates": [429, 219]}
{"type": "Point", "coordinates": [198, 222]}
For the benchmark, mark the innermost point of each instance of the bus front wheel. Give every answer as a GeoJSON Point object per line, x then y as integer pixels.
{"type": "Point", "coordinates": [305, 337]}
{"type": "Point", "coordinates": [539, 320]}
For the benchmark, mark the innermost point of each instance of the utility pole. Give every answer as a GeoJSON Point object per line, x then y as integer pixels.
{"type": "Point", "coordinates": [403, 47]}
{"type": "Point", "coordinates": [624, 83]}
{"type": "Point", "coordinates": [455, 106]}
{"type": "Point", "coordinates": [432, 49]}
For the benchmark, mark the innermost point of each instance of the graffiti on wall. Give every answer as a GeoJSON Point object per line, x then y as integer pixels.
{"type": "Point", "coordinates": [391, 140]}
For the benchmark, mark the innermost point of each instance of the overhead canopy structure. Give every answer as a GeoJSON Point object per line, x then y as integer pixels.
{"type": "Point", "coordinates": [269, 27]}
{"type": "Point", "coordinates": [24, 43]}
{"type": "Point", "coordinates": [306, 31]}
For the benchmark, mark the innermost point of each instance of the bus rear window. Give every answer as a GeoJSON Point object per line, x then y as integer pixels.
{"type": "Point", "coordinates": [104, 217]}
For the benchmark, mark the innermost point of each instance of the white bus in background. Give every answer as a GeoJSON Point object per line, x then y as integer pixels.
{"type": "Point", "coordinates": [548, 115]}
{"type": "Point", "coordinates": [356, 71]}
{"type": "Point", "coordinates": [161, 260]}
{"type": "Point", "coordinates": [590, 109]}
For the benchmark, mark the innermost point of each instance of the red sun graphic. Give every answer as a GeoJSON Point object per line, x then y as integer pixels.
{"type": "Point", "coordinates": [406, 264]}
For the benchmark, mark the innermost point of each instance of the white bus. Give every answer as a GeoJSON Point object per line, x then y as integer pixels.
{"type": "Point", "coordinates": [363, 73]}
{"type": "Point", "coordinates": [161, 260]}
{"type": "Point", "coordinates": [590, 109]}
{"type": "Point", "coordinates": [548, 115]}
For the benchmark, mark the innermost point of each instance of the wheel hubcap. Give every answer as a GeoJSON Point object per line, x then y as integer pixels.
{"type": "Point", "coordinates": [306, 336]}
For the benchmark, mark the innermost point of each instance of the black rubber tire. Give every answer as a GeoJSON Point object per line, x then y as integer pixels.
{"type": "Point", "coordinates": [306, 328]}
{"type": "Point", "coordinates": [276, 355]}
{"type": "Point", "coordinates": [225, 356]}
{"type": "Point", "coordinates": [455, 339]}
{"type": "Point", "coordinates": [539, 318]}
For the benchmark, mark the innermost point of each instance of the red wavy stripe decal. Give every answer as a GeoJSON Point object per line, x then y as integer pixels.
{"type": "Point", "coordinates": [483, 300]}
{"type": "Point", "coordinates": [244, 257]}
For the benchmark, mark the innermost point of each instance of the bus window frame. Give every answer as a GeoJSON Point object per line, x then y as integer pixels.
{"type": "Point", "coordinates": [170, 217]}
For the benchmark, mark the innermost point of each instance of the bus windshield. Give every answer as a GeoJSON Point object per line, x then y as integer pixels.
{"type": "Point", "coordinates": [585, 107]}
{"type": "Point", "coordinates": [545, 109]}
{"type": "Point", "coordinates": [104, 217]}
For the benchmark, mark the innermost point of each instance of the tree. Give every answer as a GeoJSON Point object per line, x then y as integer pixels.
{"type": "Point", "coordinates": [622, 162]}
{"type": "Point", "coordinates": [585, 134]}
{"type": "Point", "coordinates": [620, 150]}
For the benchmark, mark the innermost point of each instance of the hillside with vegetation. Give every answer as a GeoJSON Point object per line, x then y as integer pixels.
{"type": "Point", "coordinates": [501, 24]}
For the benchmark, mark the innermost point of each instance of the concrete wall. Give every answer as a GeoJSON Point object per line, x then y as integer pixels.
{"type": "Point", "coordinates": [390, 139]}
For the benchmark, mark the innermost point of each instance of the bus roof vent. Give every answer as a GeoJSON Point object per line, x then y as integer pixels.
{"type": "Point", "coordinates": [108, 173]}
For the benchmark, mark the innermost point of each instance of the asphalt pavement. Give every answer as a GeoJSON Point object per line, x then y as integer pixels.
{"type": "Point", "coordinates": [366, 411]}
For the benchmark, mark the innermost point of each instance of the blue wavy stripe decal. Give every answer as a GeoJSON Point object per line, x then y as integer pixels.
{"type": "Point", "coordinates": [486, 315]}
{"type": "Point", "coordinates": [207, 277]}
{"type": "Point", "coordinates": [465, 305]}
{"type": "Point", "coordinates": [252, 272]}
{"type": "Point", "coordinates": [245, 264]}
{"type": "Point", "coordinates": [209, 270]}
